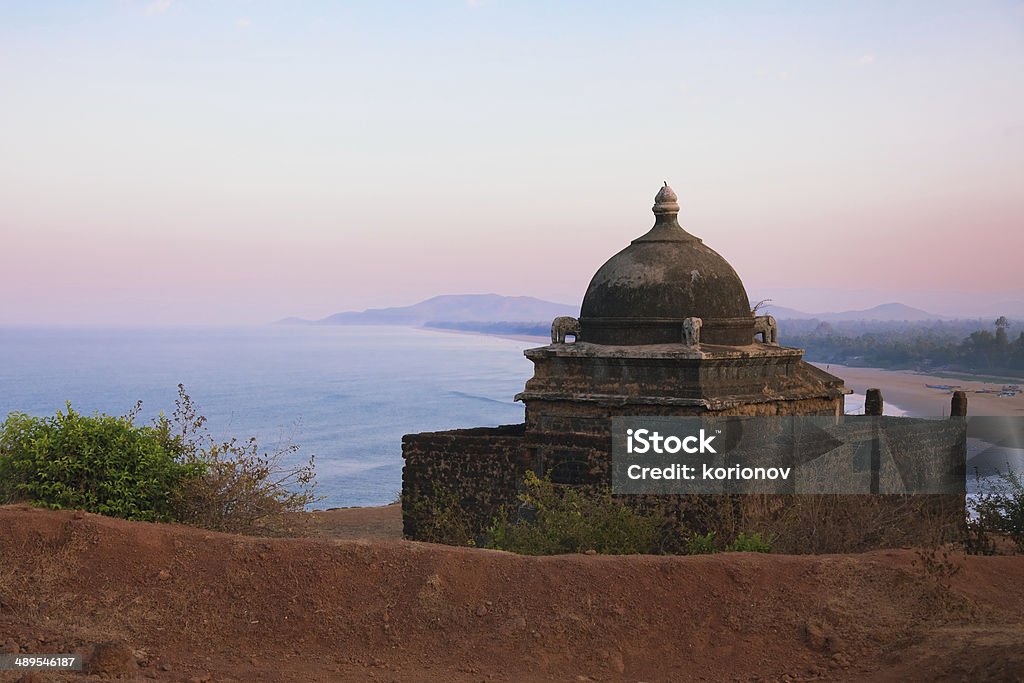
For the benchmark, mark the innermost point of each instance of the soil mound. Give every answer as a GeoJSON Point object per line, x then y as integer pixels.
{"type": "Point", "coordinates": [195, 605]}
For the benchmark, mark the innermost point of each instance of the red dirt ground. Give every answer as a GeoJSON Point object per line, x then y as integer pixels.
{"type": "Point", "coordinates": [191, 605]}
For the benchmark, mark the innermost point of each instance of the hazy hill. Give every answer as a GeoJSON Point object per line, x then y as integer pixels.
{"type": "Point", "coordinates": [884, 312]}
{"type": "Point", "coordinates": [948, 303]}
{"type": "Point", "coordinates": [452, 308]}
{"type": "Point", "coordinates": [495, 308]}
{"type": "Point", "coordinates": [783, 313]}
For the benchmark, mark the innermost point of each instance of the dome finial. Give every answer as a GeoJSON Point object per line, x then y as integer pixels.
{"type": "Point", "coordinates": [666, 201]}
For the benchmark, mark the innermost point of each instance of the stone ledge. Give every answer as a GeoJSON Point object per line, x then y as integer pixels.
{"type": "Point", "coordinates": [710, 404]}
{"type": "Point", "coordinates": [708, 352]}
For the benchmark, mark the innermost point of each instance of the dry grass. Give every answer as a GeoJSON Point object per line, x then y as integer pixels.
{"type": "Point", "coordinates": [815, 524]}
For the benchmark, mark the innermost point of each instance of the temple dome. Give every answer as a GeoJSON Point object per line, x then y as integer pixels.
{"type": "Point", "coordinates": [642, 294]}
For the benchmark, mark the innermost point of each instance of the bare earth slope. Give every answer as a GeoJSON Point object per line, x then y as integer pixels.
{"type": "Point", "coordinates": [198, 605]}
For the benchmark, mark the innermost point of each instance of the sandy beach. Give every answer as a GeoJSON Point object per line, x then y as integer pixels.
{"type": "Point", "coordinates": [907, 390]}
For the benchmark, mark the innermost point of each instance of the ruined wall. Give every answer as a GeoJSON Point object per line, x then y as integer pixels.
{"type": "Point", "coordinates": [468, 474]}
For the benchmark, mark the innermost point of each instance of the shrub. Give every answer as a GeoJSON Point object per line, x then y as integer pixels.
{"type": "Point", "coordinates": [749, 543]}
{"type": "Point", "coordinates": [237, 487]}
{"type": "Point", "coordinates": [833, 523]}
{"type": "Point", "coordinates": [570, 520]}
{"type": "Point", "coordinates": [999, 506]}
{"type": "Point", "coordinates": [101, 463]}
{"type": "Point", "coordinates": [170, 471]}
{"type": "Point", "coordinates": [701, 544]}
{"type": "Point", "coordinates": [440, 517]}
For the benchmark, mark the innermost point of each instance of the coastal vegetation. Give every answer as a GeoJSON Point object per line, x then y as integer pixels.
{"type": "Point", "coordinates": [171, 470]}
{"type": "Point", "coordinates": [963, 346]}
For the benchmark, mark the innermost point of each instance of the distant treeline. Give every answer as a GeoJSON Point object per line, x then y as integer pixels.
{"type": "Point", "coordinates": [532, 329]}
{"type": "Point", "coordinates": [963, 345]}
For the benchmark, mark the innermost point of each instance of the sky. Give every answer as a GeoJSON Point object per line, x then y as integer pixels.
{"type": "Point", "coordinates": [239, 161]}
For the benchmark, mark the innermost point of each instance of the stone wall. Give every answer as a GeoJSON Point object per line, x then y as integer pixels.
{"type": "Point", "coordinates": [473, 475]}
{"type": "Point", "coordinates": [478, 470]}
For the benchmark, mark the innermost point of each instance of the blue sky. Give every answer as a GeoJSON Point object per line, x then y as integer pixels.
{"type": "Point", "coordinates": [237, 161]}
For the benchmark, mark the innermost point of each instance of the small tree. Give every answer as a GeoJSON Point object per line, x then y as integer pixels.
{"type": "Point", "coordinates": [101, 463]}
{"type": "Point", "coordinates": [1002, 324]}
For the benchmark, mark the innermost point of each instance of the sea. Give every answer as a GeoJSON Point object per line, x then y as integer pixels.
{"type": "Point", "coordinates": [343, 394]}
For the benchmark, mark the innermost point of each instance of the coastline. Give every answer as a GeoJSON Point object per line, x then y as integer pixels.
{"type": "Point", "coordinates": [538, 340]}
{"type": "Point", "coordinates": [907, 389]}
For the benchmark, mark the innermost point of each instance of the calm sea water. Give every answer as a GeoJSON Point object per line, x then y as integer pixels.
{"type": "Point", "coordinates": [345, 394]}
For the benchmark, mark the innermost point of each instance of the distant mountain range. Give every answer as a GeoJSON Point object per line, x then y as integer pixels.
{"type": "Point", "coordinates": [451, 308]}
{"type": "Point", "coordinates": [950, 304]}
{"type": "Point", "coordinates": [883, 312]}
{"type": "Point", "coordinates": [495, 308]}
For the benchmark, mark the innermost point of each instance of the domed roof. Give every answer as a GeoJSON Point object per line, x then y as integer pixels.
{"type": "Point", "coordinates": [642, 294]}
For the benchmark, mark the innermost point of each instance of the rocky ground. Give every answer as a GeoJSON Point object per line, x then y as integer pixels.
{"type": "Point", "coordinates": [353, 602]}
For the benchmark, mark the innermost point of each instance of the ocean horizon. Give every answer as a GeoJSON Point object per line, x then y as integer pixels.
{"type": "Point", "coordinates": [345, 394]}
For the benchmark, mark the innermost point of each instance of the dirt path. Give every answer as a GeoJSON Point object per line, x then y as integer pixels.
{"type": "Point", "coordinates": [351, 524]}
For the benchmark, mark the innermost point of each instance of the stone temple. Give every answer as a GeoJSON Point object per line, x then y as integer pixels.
{"type": "Point", "coordinates": [665, 328]}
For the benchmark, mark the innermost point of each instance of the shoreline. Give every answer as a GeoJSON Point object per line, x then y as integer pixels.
{"type": "Point", "coordinates": [541, 341]}
{"type": "Point", "coordinates": [906, 389]}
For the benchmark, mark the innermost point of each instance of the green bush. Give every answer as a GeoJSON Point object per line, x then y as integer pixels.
{"type": "Point", "coordinates": [173, 470]}
{"type": "Point", "coordinates": [569, 520]}
{"type": "Point", "coordinates": [705, 544]}
{"type": "Point", "coordinates": [749, 543]}
{"type": "Point", "coordinates": [101, 463]}
{"type": "Point", "coordinates": [701, 544]}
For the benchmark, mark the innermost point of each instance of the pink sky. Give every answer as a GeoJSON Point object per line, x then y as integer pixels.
{"type": "Point", "coordinates": [182, 162]}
